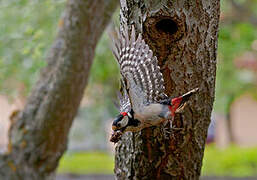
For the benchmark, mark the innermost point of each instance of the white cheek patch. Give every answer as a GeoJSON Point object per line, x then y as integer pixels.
{"type": "Point", "coordinates": [124, 121]}
{"type": "Point", "coordinates": [129, 115]}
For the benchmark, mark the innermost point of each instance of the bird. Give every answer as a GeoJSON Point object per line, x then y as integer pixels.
{"type": "Point", "coordinates": [143, 101]}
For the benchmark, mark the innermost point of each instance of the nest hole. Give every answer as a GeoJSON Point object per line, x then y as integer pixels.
{"type": "Point", "coordinates": [167, 26]}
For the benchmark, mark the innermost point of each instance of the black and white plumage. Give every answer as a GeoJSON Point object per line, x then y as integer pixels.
{"type": "Point", "coordinates": [136, 58]}
{"type": "Point", "coordinates": [125, 105]}
{"type": "Point", "coordinates": [143, 102]}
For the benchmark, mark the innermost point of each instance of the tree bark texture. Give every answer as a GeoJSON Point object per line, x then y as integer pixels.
{"type": "Point", "coordinates": [183, 35]}
{"type": "Point", "coordinates": [38, 134]}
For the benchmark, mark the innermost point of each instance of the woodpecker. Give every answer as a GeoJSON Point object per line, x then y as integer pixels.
{"type": "Point", "coordinates": [143, 102]}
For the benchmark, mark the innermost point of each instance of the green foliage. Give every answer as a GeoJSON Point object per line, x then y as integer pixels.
{"type": "Point", "coordinates": [234, 40]}
{"type": "Point", "coordinates": [233, 161]}
{"type": "Point", "coordinates": [105, 69]}
{"type": "Point", "coordinates": [87, 163]}
{"type": "Point", "coordinates": [27, 29]}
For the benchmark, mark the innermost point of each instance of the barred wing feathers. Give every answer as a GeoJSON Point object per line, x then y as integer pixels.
{"type": "Point", "coordinates": [136, 58]}
{"type": "Point", "coordinates": [125, 105]}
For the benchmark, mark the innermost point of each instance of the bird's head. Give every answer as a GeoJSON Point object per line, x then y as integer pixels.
{"type": "Point", "coordinates": [125, 121]}
{"type": "Point", "coordinates": [121, 121]}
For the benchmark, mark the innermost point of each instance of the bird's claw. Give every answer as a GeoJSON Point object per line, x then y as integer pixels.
{"type": "Point", "coordinates": [167, 133]}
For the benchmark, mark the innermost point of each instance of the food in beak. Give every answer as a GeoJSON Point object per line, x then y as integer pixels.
{"type": "Point", "coordinates": [116, 136]}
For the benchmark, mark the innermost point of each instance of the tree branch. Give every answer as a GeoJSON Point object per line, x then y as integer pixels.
{"type": "Point", "coordinates": [38, 135]}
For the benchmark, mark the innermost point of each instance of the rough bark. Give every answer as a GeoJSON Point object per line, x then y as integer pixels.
{"type": "Point", "coordinates": [38, 134]}
{"type": "Point", "coordinates": [183, 36]}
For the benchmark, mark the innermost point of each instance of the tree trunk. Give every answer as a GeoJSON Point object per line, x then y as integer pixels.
{"type": "Point", "coordinates": [183, 35]}
{"type": "Point", "coordinates": [38, 134]}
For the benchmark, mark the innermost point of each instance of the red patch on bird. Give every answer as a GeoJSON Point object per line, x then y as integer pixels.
{"type": "Point", "coordinates": [175, 104]}
{"type": "Point", "coordinates": [124, 113]}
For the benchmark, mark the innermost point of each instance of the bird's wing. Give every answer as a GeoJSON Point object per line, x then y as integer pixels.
{"type": "Point", "coordinates": [125, 105]}
{"type": "Point", "coordinates": [136, 61]}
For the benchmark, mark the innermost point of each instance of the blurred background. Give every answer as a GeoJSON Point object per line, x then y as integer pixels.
{"type": "Point", "coordinates": [27, 30]}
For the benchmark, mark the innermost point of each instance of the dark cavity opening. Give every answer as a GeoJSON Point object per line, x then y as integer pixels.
{"type": "Point", "coordinates": [167, 26]}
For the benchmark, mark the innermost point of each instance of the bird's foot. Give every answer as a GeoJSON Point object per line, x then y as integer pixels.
{"type": "Point", "coordinates": [167, 132]}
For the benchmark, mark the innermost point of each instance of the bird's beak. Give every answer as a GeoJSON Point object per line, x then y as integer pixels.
{"type": "Point", "coordinates": [114, 128]}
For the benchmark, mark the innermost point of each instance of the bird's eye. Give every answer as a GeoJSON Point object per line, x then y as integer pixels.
{"type": "Point", "coordinates": [123, 122]}
{"type": "Point", "coordinates": [119, 124]}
